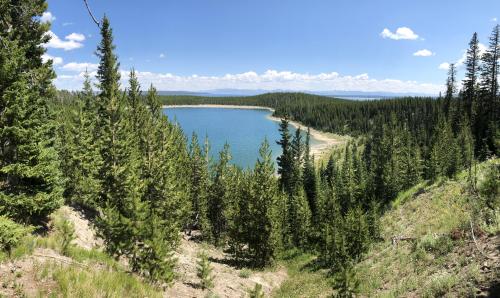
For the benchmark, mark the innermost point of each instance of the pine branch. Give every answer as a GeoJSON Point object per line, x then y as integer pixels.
{"type": "Point", "coordinates": [92, 15]}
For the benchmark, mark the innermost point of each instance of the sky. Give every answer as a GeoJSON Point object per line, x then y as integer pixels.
{"type": "Point", "coordinates": [397, 46]}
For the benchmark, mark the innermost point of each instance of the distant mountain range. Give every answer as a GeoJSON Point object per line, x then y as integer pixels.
{"type": "Point", "coordinates": [250, 92]}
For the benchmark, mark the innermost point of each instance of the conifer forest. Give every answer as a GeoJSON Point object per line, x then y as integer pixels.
{"type": "Point", "coordinates": [109, 151]}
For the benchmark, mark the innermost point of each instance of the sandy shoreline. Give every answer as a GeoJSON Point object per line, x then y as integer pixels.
{"type": "Point", "coordinates": [326, 140]}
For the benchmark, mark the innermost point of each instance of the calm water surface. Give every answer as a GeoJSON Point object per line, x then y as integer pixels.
{"type": "Point", "coordinates": [243, 129]}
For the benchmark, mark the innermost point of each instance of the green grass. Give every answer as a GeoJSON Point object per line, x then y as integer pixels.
{"type": "Point", "coordinates": [303, 279]}
{"type": "Point", "coordinates": [73, 281]}
{"type": "Point", "coordinates": [245, 273]}
{"type": "Point", "coordinates": [432, 264]}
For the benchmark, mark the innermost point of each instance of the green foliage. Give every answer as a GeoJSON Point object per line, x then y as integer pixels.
{"type": "Point", "coordinates": [204, 271]}
{"type": "Point", "coordinates": [79, 149]}
{"type": "Point", "coordinates": [65, 230]}
{"type": "Point", "coordinates": [75, 282]}
{"type": "Point", "coordinates": [245, 273]}
{"type": "Point", "coordinates": [11, 234]}
{"type": "Point", "coordinates": [439, 246]}
{"type": "Point", "coordinates": [254, 221]}
{"type": "Point", "coordinates": [256, 292]}
{"type": "Point", "coordinates": [489, 186]}
{"type": "Point", "coordinates": [345, 283]}
{"type": "Point", "coordinates": [30, 178]}
{"type": "Point", "coordinates": [124, 160]}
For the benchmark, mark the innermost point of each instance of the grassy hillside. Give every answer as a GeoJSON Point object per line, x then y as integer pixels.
{"type": "Point", "coordinates": [427, 251]}
{"type": "Point", "coordinates": [437, 257]}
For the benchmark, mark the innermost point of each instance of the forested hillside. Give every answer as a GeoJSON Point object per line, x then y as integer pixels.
{"type": "Point", "coordinates": [112, 153]}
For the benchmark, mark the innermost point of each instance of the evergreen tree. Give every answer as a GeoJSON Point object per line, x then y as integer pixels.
{"type": "Point", "coordinates": [218, 198]}
{"type": "Point", "coordinates": [410, 167]}
{"type": "Point", "coordinates": [297, 147]}
{"type": "Point", "coordinates": [471, 76]}
{"type": "Point", "coordinates": [83, 161]}
{"type": "Point", "coordinates": [444, 152]}
{"type": "Point", "coordinates": [450, 88]}
{"type": "Point", "coordinates": [263, 227]}
{"type": "Point", "coordinates": [198, 184]}
{"type": "Point", "coordinates": [486, 122]}
{"type": "Point", "coordinates": [204, 271]}
{"type": "Point", "coordinates": [310, 180]}
{"type": "Point", "coordinates": [121, 188]}
{"type": "Point", "coordinates": [30, 177]}
{"type": "Point", "coordinates": [285, 160]}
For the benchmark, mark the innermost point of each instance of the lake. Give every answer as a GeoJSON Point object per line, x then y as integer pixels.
{"type": "Point", "coordinates": [243, 129]}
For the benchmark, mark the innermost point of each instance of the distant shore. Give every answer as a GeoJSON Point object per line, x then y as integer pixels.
{"type": "Point", "coordinates": [326, 140]}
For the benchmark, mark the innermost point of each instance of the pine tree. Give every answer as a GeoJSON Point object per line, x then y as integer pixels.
{"type": "Point", "coordinates": [30, 177]}
{"type": "Point", "coordinates": [263, 226]}
{"type": "Point", "coordinates": [486, 123]}
{"type": "Point", "coordinates": [257, 291]}
{"type": "Point", "coordinates": [285, 160]}
{"type": "Point", "coordinates": [444, 151]}
{"type": "Point", "coordinates": [83, 161]}
{"type": "Point", "coordinates": [198, 184]}
{"type": "Point", "coordinates": [297, 147]}
{"type": "Point", "coordinates": [310, 180]}
{"type": "Point", "coordinates": [410, 167]}
{"type": "Point", "coordinates": [219, 197]}
{"type": "Point", "coordinates": [471, 76]}
{"type": "Point", "coordinates": [450, 88]}
{"type": "Point", "coordinates": [204, 271]}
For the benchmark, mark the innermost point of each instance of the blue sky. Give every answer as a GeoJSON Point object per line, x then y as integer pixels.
{"type": "Point", "coordinates": [315, 45]}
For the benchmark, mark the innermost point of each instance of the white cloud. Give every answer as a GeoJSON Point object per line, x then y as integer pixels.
{"type": "Point", "coordinates": [461, 61]}
{"type": "Point", "coordinates": [57, 43]}
{"type": "Point", "coordinates": [67, 24]}
{"type": "Point", "coordinates": [423, 53]}
{"type": "Point", "coordinates": [268, 80]}
{"type": "Point", "coordinates": [76, 37]}
{"type": "Point", "coordinates": [55, 60]}
{"type": "Point", "coordinates": [401, 33]}
{"type": "Point", "coordinates": [494, 20]}
{"type": "Point", "coordinates": [162, 55]}
{"type": "Point", "coordinates": [444, 66]}
{"type": "Point", "coordinates": [79, 67]}
{"type": "Point", "coordinates": [47, 17]}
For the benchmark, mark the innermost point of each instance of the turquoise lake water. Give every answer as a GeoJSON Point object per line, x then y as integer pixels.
{"type": "Point", "coordinates": [243, 129]}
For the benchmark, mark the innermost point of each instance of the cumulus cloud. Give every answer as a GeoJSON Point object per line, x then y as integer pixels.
{"type": "Point", "coordinates": [461, 61]}
{"type": "Point", "coordinates": [79, 67]}
{"type": "Point", "coordinates": [494, 20]}
{"type": "Point", "coordinates": [55, 60]}
{"type": "Point", "coordinates": [75, 37]}
{"type": "Point", "coordinates": [423, 53]}
{"type": "Point", "coordinates": [47, 17]}
{"type": "Point", "coordinates": [162, 55]}
{"type": "Point", "coordinates": [268, 80]}
{"type": "Point", "coordinates": [401, 33]}
{"type": "Point", "coordinates": [57, 43]}
{"type": "Point", "coordinates": [444, 66]}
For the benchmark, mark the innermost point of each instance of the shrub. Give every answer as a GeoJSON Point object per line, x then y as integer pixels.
{"type": "Point", "coordinates": [439, 246]}
{"type": "Point", "coordinates": [65, 230]}
{"type": "Point", "coordinates": [244, 273]}
{"type": "Point", "coordinates": [204, 271]}
{"type": "Point", "coordinates": [11, 234]}
{"type": "Point", "coordinates": [257, 292]}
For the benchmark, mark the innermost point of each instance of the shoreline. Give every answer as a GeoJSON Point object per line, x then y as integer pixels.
{"type": "Point", "coordinates": [326, 140]}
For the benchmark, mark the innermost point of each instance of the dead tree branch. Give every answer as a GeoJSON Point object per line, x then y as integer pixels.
{"type": "Point", "coordinates": [92, 15]}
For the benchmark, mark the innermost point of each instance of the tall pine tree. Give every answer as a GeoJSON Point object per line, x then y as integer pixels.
{"type": "Point", "coordinates": [30, 179]}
